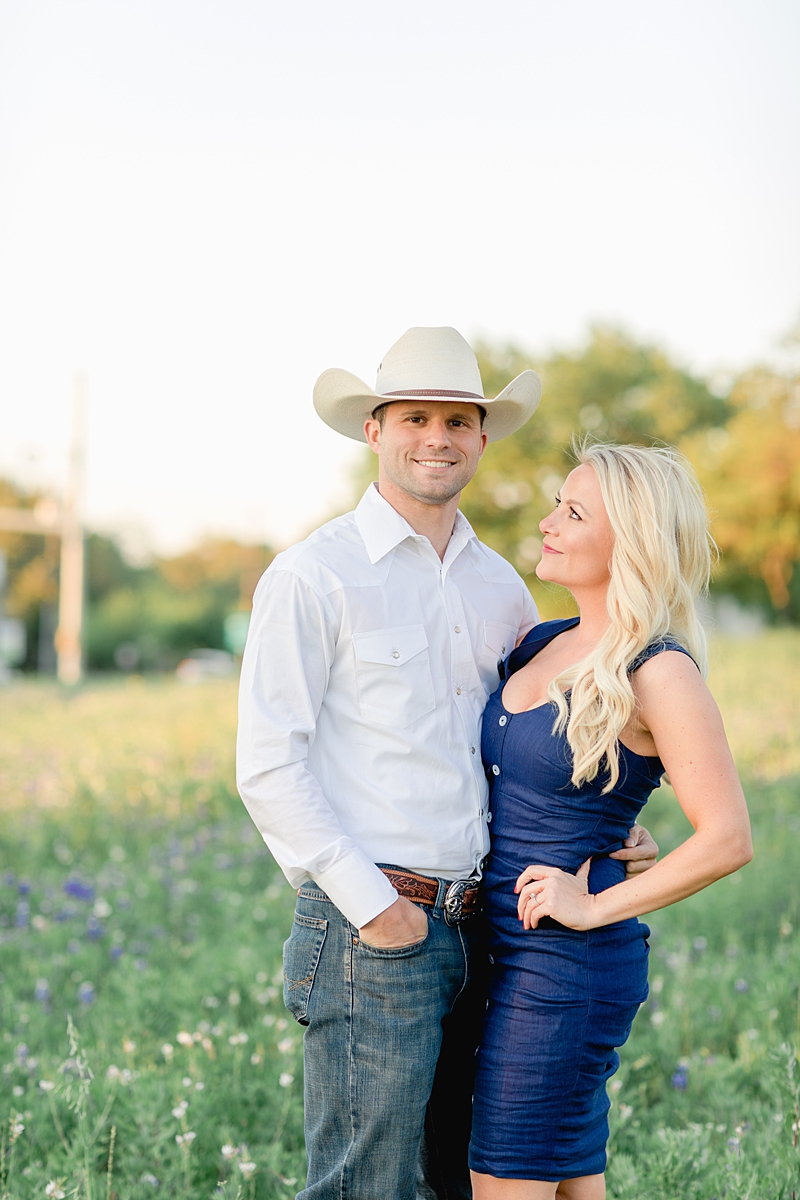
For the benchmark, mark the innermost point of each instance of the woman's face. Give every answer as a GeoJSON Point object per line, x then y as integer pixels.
{"type": "Point", "coordinates": [578, 538]}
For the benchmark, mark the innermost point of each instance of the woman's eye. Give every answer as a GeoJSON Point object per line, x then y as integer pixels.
{"type": "Point", "coordinates": [572, 513]}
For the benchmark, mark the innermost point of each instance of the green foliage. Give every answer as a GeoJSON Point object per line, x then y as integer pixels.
{"type": "Point", "coordinates": [165, 951]}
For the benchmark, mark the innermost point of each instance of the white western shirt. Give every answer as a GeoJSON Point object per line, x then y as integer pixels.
{"type": "Point", "coordinates": [367, 668]}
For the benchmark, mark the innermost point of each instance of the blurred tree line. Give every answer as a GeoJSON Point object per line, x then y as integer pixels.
{"type": "Point", "coordinates": [137, 616]}
{"type": "Point", "coordinates": [742, 434]}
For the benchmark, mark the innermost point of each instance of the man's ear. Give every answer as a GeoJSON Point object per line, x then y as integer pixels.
{"type": "Point", "coordinates": [484, 443]}
{"type": "Point", "coordinates": [372, 432]}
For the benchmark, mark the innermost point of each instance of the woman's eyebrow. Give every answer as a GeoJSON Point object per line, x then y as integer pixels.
{"type": "Point", "coordinates": [574, 504]}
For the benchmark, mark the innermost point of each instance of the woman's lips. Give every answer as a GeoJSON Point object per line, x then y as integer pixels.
{"type": "Point", "coordinates": [549, 549]}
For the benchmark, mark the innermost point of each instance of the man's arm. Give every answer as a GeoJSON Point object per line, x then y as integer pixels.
{"type": "Point", "coordinates": [285, 670]}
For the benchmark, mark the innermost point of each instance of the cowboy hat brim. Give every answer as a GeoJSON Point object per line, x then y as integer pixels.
{"type": "Point", "coordinates": [345, 402]}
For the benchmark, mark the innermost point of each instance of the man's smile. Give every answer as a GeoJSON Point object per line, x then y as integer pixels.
{"type": "Point", "coordinates": [437, 463]}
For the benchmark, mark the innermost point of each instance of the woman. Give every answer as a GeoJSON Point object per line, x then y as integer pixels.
{"type": "Point", "coordinates": [591, 713]}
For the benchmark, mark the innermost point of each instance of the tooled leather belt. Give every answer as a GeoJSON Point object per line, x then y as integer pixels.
{"type": "Point", "coordinates": [462, 898]}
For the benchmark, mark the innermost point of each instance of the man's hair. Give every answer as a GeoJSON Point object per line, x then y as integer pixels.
{"type": "Point", "coordinates": [379, 413]}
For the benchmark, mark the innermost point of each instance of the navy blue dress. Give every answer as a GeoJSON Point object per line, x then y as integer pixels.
{"type": "Point", "coordinates": [560, 1000]}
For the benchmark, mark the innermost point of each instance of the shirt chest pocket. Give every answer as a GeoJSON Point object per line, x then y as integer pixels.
{"type": "Point", "coordinates": [393, 675]}
{"type": "Point", "coordinates": [498, 642]}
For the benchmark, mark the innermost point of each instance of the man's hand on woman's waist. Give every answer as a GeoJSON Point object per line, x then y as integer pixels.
{"type": "Point", "coordinates": [639, 852]}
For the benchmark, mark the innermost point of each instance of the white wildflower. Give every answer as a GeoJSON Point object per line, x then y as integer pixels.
{"type": "Point", "coordinates": [285, 1079]}
{"type": "Point", "coordinates": [184, 1038]}
{"type": "Point", "coordinates": [247, 1168]}
{"type": "Point", "coordinates": [46, 1085]}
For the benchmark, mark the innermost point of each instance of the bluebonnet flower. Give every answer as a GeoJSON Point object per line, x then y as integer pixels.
{"type": "Point", "coordinates": [94, 929]}
{"type": "Point", "coordinates": [78, 889]}
{"type": "Point", "coordinates": [86, 993]}
{"type": "Point", "coordinates": [140, 964]}
{"type": "Point", "coordinates": [117, 952]}
{"type": "Point", "coordinates": [24, 887]}
{"type": "Point", "coordinates": [680, 1078]}
{"type": "Point", "coordinates": [74, 946]}
{"type": "Point", "coordinates": [23, 913]}
{"type": "Point", "coordinates": [742, 985]}
{"type": "Point", "coordinates": [42, 990]}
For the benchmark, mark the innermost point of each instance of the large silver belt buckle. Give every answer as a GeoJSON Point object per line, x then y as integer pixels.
{"type": "Point", "coordinates": [454, 901]}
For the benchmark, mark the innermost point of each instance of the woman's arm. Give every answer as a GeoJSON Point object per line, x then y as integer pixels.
{"type": "Point", "coordinates": [680, 713]}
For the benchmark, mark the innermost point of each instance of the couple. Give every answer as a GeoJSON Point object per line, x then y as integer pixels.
{"type": "Point", "coordinates": [394, 665]}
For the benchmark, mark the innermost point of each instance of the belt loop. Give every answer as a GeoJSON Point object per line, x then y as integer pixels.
{"type": "Point", "coordinates": [438, 906]}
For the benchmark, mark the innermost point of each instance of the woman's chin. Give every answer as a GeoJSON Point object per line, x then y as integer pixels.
{"type": "Point", "coordinates": [544, 572]}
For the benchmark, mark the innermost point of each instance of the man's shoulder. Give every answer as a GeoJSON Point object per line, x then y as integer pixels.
{"type": "Point", "coordinates": [327, 557]}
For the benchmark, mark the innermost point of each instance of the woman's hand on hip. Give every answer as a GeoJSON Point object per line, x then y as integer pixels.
{"type": "Point", "coordinates": [551, 892]}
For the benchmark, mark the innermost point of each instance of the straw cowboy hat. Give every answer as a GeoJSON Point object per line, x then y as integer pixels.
{"type": "Point", "coordinates": [425, 364]}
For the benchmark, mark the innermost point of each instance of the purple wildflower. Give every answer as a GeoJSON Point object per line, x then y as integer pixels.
{"type": "Point", "coordinates": [94, 929]}
{"type": "Point", "coordinates": [680, 1078]}
{"type": "Point", "coordinates": [86, 993]}
{"type": "Point", "coordinates": [117, 952]}
{"type": "Point", "coordinates": [23, 913]}
{"type": "Point", "coordinates": [78, 889]}
{"type": "Point", "coordinates": [24, 887]}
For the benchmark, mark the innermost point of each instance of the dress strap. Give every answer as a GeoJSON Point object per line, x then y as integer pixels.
{"type": "Point", "coordinates": [658, 647]}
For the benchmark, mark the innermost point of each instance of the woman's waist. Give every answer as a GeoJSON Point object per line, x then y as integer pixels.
{"type": "Point", "coordinates": [506, 863]}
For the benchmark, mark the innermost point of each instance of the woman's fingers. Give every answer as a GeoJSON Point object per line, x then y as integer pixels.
{"type": "Point", "coordinates": [534, 873]}
{"type": "Point", "coordinates": [528, 895]}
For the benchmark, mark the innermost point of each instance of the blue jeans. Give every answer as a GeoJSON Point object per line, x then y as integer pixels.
{"type": "Point", "coordinates": [382, 1122]}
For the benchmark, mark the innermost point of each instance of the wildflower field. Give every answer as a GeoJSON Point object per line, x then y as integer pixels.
{"type": "Point", "coordinates": [145, 1050]}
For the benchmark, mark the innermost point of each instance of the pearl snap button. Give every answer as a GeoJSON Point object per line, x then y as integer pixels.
{"type": "Point", "coordinates": [495, 769]}
{"type": "Point", "coordinates": [395, 654]}
{"type": "Point", "coordinates": [458, 691]}
{"type": "Point", "coordinates": [502, 721]}
{"type": "Point", "coordinates": [457, 628]}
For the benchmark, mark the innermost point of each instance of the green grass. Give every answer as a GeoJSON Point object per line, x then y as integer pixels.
{"type": "Point", "coordinates": [170, 931]}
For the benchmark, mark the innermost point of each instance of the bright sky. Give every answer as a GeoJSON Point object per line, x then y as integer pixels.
{"type": "Point", "coordinates": [205, 204]}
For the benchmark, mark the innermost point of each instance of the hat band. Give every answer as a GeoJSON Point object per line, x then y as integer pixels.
{"type": "Point", "coordinates": [434, 392]}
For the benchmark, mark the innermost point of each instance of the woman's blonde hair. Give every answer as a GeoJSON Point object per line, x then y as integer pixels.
{"type": "Point", "coordinates": [660, 564]}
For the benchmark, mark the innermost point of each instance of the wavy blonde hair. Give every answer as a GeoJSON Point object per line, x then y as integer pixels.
{"type": "Point", "coordinates": [660, 564]}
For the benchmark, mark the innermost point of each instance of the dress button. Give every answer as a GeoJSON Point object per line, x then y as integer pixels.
{"type": "Point", "coordinates": [495, 769]}
{"type": "Point", "coordinates": [458, 691]}
{"type": "Point", "coordinates": [395, 654]}
{"type": "Point", "coordinates": [457, 628]}
{"type": "Point", "coordinates": [472, 749]}
{"type": "Point", "coordinates": [502, 721]}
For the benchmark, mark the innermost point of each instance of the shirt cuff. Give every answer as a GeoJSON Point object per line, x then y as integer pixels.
{"type": "Point", "coordinates": [357, 887]}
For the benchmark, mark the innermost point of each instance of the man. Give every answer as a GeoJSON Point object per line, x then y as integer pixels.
{"type": "Point", "coordinates": [372, 650]}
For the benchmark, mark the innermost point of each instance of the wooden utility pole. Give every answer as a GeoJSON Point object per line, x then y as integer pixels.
{"type": "Point", "coordinates": [70, 583]}
{"type": "Point", "coordinates": [65, 521]}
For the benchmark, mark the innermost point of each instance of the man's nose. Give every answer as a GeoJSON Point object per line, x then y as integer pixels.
{"type": "Point", "coordinates": [438, 433]}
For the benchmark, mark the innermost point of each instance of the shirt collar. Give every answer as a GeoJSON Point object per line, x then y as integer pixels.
{"type": "Point", "coordinates": [382, 528]}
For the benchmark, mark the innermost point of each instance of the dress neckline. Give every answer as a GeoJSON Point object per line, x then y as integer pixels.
{"type": "Point", "coordinates": [534, 646]}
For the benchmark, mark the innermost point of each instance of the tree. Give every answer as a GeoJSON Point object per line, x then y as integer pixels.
{"type": "Point", "coordinates": [751, 473]}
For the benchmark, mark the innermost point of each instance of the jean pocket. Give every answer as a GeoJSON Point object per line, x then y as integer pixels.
{"type": "Point", "coordinates": [301, 955]}
{"type": "Point", "coordinates": [394, 951]}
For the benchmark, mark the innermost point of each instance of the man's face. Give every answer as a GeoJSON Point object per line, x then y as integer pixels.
{"type": "Point", "coordinates": [429, 449]}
